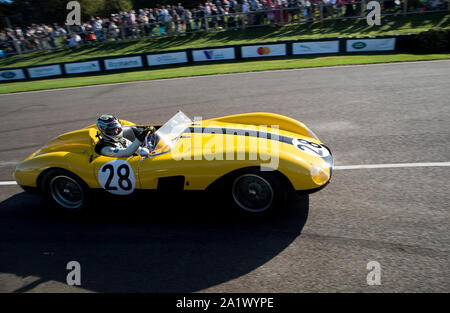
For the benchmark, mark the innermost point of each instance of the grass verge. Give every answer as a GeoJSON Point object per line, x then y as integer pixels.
{"type": "Point", "coordinates": [390, 25]}
{"type": "Point", "coordinates": [216, 68]}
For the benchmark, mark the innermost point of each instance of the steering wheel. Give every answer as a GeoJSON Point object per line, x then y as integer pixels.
{"type": "Point", "coordinates": [150, 141]}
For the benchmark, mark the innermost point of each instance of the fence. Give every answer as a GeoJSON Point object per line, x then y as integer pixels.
{"type": "Point", "coordinates": [190, 56]}
{"type": "Point", "coordinates": [73, 37]}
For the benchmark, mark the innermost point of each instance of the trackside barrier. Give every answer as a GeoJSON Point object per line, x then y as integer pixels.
{"type": "Point", "coordinates": [190, 56]}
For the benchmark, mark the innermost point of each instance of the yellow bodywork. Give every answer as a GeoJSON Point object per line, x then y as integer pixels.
{"type": "Point", "coordinates": [201, 155]}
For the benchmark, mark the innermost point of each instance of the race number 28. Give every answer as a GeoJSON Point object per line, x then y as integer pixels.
{"type": "Point", "coordinates": [117, 177]}
{"type": "Point", "coordinates": [311, 148]}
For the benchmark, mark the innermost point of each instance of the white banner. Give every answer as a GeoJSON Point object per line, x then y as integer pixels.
{"type": "Point", "coordinates": [263, 51]}
{"type": "Point", "coordinates": [119, 63]}
{"type": "Point", "coordinates": [167, 58]}
{"type": "Point", "coordinates": [314, 47]}
{"type": "Point", "coordinates": [356, 45]}
{"type": "Point", "coordinates": [213, 54]}
{"type": "Point", "coordinates": [12, 74]}
{"type": "Point", "coordinates": [82, 67]}
{"type": "Point", "coordinates": [44, 71]}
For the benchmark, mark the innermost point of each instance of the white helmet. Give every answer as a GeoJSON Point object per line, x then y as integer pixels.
{"type": "Point", "coordinates": [110, 127]}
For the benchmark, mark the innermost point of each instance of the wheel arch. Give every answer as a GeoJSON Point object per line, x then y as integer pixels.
{"type": "Point", "coordinates": [43, 174]}
{"type": "Point", "coordinates": [217, 183]}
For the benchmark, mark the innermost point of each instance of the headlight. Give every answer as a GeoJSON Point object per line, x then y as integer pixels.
{"type": "Point", "coordinates": [319, 176]}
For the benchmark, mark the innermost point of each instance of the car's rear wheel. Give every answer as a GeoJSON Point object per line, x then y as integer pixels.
{"type": "Point", "coordinates": [258, 193]}
{"type": "Point", "coordinates": [65, 191]}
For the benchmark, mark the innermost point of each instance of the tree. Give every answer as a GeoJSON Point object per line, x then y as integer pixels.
{"type": "Point", "coordinates": [114, 6]}
{"type": "Point", "coordinates": [140, 4]}
{"type": "Point", "coordinates": [50, 11]}
{"type": "Point", "coordinates": [92, 8]}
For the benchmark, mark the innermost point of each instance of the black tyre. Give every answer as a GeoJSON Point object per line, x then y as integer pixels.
{"type": "Point", "coordinates": [255, 192]}
{"type": "Point", "coordinates": [65, 191]}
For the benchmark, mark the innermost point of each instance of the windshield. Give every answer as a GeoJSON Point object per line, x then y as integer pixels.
{"type": "Point", "coordinates": [168, 134]}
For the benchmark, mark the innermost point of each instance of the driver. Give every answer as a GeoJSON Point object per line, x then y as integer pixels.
{"type": "Point", "coordinates": [112, 143]}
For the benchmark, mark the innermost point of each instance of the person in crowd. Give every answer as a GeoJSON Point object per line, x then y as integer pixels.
{"type": "Point", "coordinates": [433, 5]}
{"type": "Point", "coordinates": [195, 19]}
{"type": "Point", "coordinates": [151, 22]}
{"type": "Point", "coordinates": [188, 20]}
{"type": "Point", "coordinates": [221, 16]}
{"type": "Point", "coordinates": [113, 30]}
{"type": "Point", "coordinates": [244, 17]}
{"type": "Point", "coordinates": [74, 40]}
{"type": "Point", "coordinates": [307, 12]}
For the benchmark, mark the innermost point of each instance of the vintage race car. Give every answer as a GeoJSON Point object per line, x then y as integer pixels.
{"type": "Point", "coordinates": [253, 160]}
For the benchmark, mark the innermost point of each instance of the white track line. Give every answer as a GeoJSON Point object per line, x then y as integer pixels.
{"type": "Point", "coordinates": [215, 75]}
{"type": "Point", "coordinates": [343, 167]}
{"type": "Point", "coordinates": [7, 183]}
{"type": "Point", "coordinates": [394, 165]}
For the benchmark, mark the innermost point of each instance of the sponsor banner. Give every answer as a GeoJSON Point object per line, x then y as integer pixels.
{"type": "Point", "coordinates": [167, 58]}
{"type": "Point", "coordinates": [263, 51]}
{"type": "Point", "coordinates": [314, 47]}
{"type": "Point", "coordinates": [356, 45]}
{"type": "Point", "coordinates": [82, 67]}
{"type": "Point", "coordinates": [44, 71]}
{"type": "Point", "coordinates": [119, 63]}
{"type": "Point", "coordinates": [12, 74]}
{"type": "Point", "coordinates": [213, 54]}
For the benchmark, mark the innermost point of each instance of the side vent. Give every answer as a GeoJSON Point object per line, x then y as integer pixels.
{"type": "Point", "coordinates": [171, 184]}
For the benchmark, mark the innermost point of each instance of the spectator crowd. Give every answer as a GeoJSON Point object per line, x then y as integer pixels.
{"type": "Point", "coordinates": [170, 20]}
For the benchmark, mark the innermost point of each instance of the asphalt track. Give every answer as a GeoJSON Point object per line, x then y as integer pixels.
{"type": "Point", "coordinates": [395, 215]}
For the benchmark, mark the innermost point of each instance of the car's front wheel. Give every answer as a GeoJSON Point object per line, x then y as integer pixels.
{"type": "Point", "coordinates": [258, 193]}
{"type": "Point", "coordinates": [65, 191]}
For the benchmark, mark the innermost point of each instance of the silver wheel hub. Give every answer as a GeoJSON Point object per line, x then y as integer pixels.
{"type": "Point", "coordinates": [66, 192]}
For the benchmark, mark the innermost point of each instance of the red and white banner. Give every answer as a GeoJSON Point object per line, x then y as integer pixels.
{"type": "Point", "coordinates": [259, 51]}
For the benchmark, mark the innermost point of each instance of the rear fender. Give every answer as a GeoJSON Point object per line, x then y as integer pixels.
{"type": "Point", "coordinates": [262, 118]}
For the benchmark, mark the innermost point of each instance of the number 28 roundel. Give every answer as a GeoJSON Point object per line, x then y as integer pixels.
{"type": "Point", "coordinates": [311, 148]}
{"type": "Point", "coordinates": [117, 177]}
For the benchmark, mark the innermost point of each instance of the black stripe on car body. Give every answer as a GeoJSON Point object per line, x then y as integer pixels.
{"type": "Point", "coordinates": [258, 134]}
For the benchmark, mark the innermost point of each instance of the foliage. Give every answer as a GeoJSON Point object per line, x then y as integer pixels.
{"type": "Point", "coordinates": [434, 40]}
{"type": "Point", "coordinates": [139, 4]}
{"type": "Point", "coordinates": [51, 11]}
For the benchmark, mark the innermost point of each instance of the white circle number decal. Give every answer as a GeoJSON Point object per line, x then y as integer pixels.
{"type": "Point", "coordinates": [117, 177]}
{"type": "Point", "coordinates": [311, 148]}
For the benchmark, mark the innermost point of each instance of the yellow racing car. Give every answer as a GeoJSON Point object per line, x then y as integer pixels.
{"type": "Point", "coordinates": [252, 159]}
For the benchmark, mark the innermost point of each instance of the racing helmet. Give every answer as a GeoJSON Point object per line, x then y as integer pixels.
{"type": "Point", "coordinates": [110, 127]}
